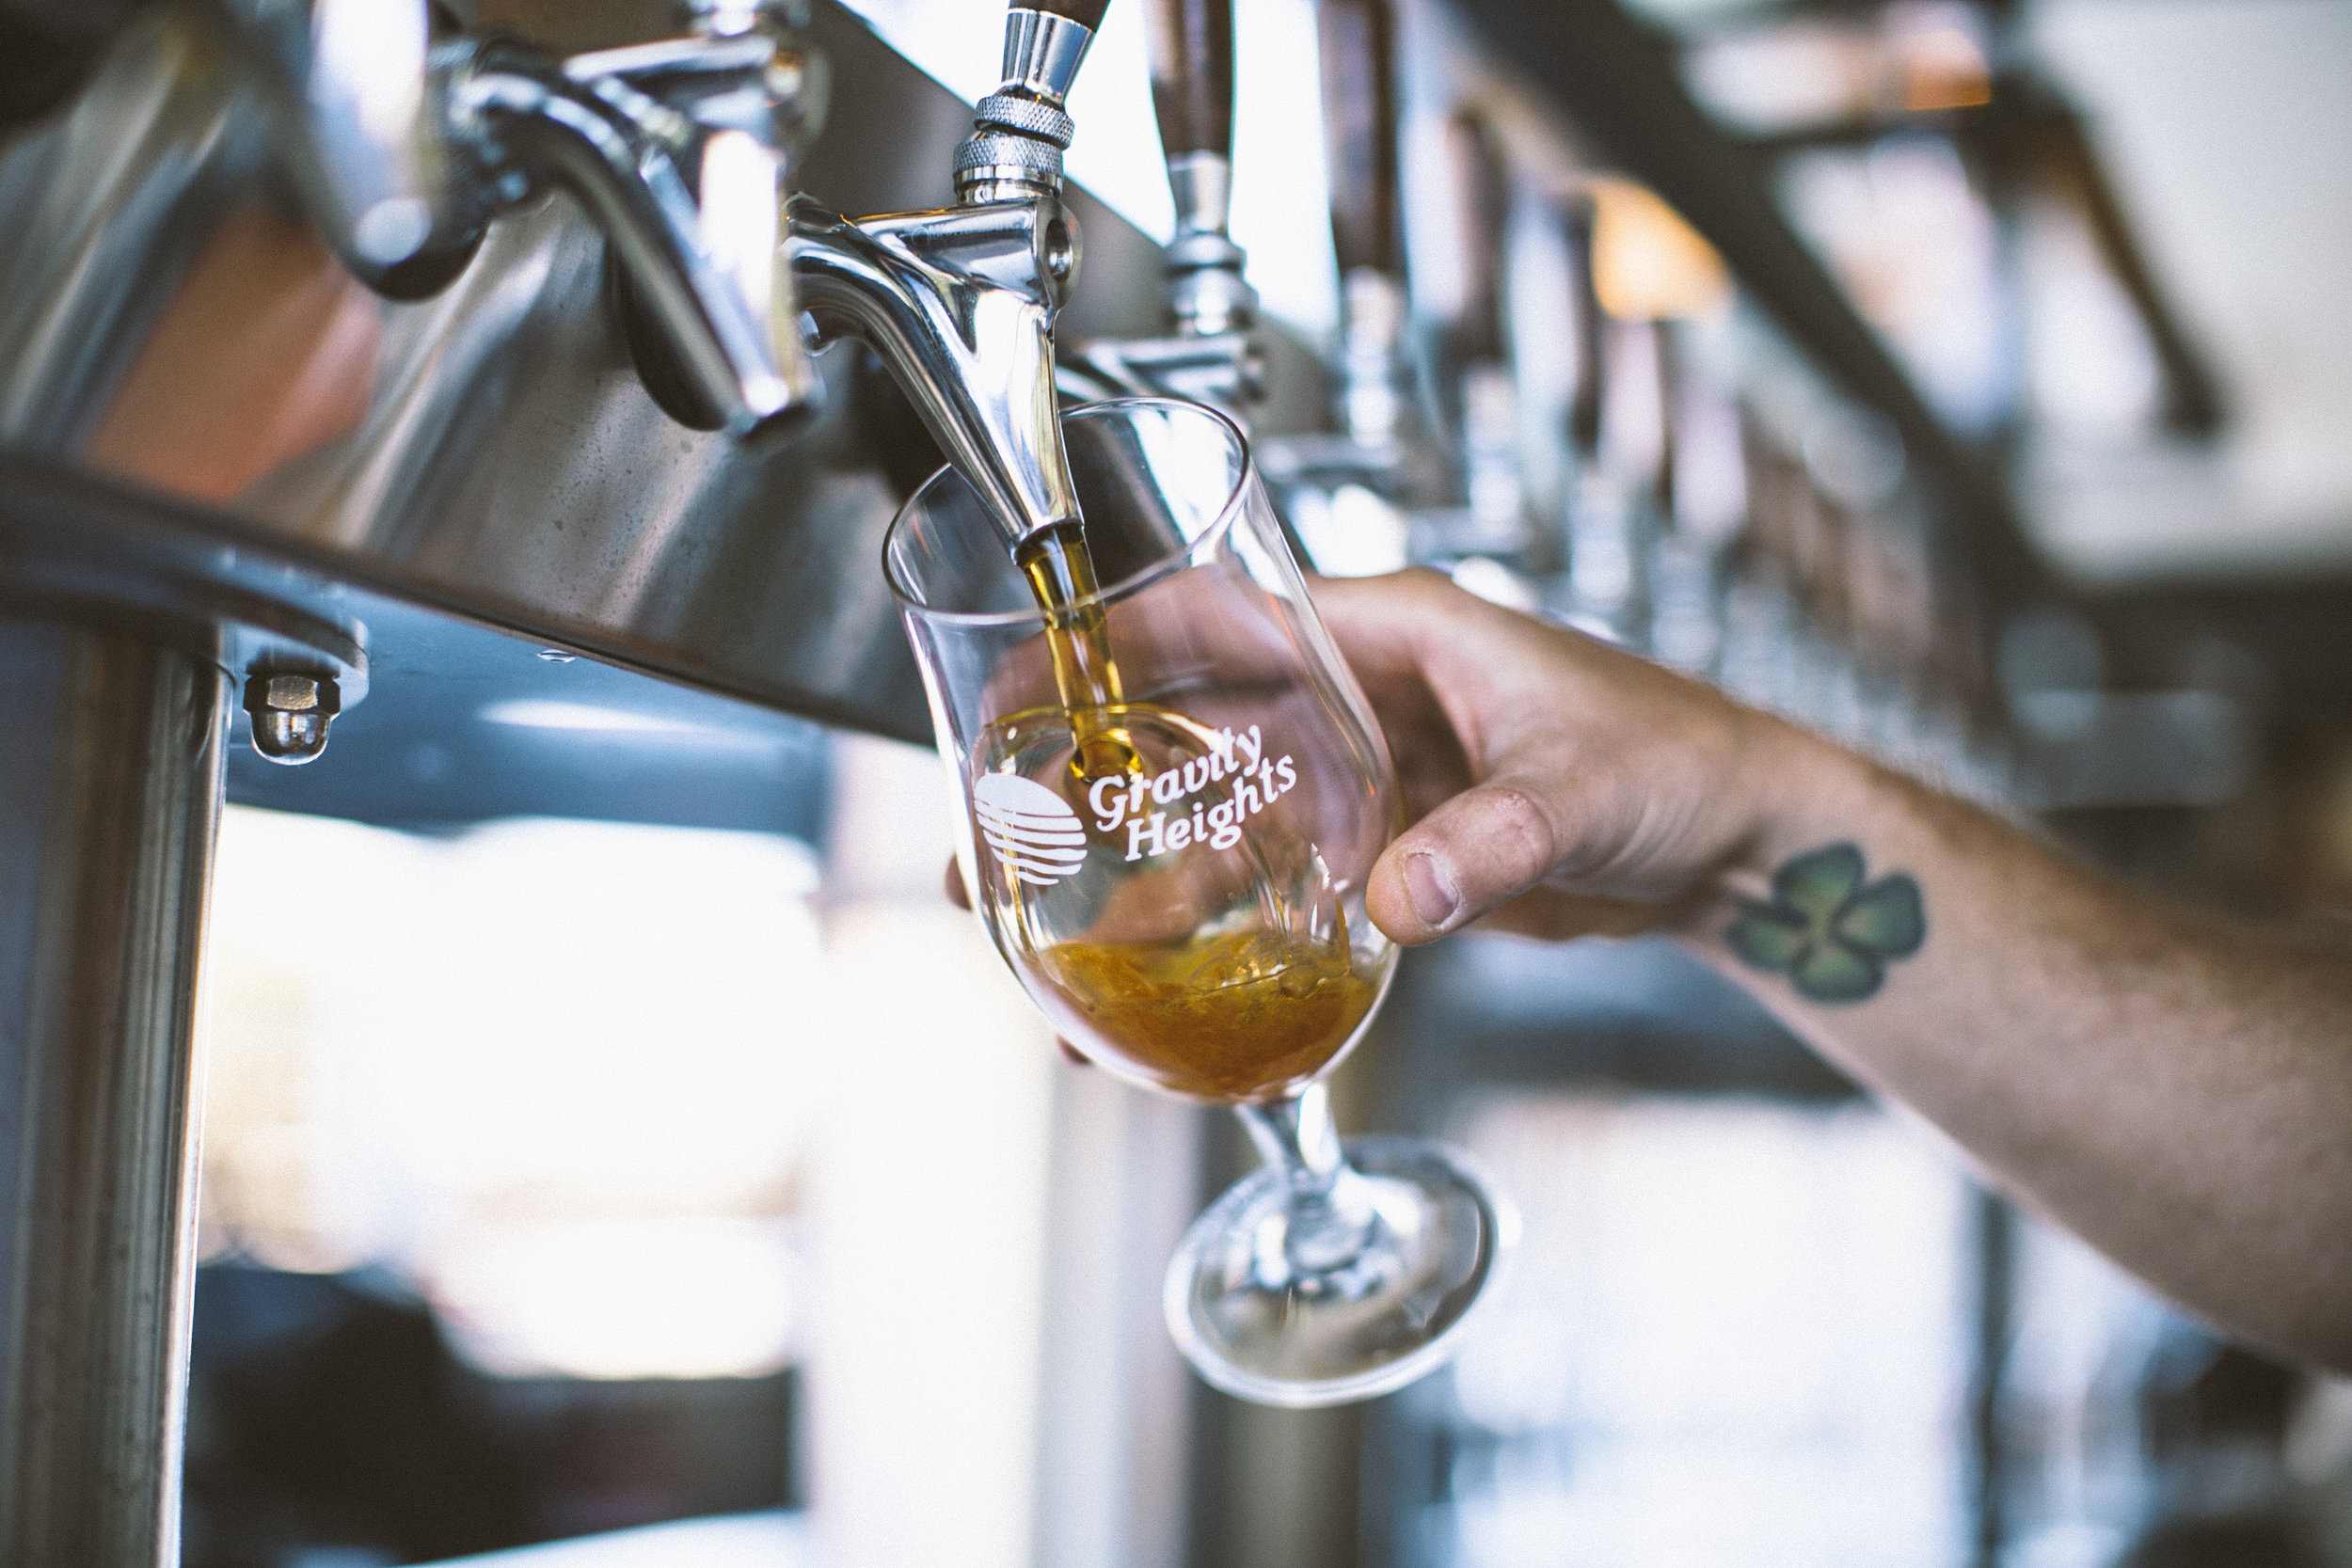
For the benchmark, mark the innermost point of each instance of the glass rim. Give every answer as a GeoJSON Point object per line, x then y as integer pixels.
{"type": "Point", "coordinates": [1142, 577]}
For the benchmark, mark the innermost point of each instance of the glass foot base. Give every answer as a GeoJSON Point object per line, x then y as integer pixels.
{"type": "Point", "coordinates": [1268, 1309]}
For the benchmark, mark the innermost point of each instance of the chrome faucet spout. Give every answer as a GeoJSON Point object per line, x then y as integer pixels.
{"type": "Point", "coordinates": [960, 301]}
{"type": "Point", "coordinates": [960, 304]}
{"type": "Point", "coordinates": [680, 151]}
{"type": "Point", "coordinates": [351, 89]}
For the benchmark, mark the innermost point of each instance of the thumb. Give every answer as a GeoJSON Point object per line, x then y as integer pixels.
{"type": "Point", "coordinates": [1480, 850]}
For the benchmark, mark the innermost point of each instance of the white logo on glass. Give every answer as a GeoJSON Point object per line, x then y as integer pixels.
{"type": "Point", "coordinates": [1033, 831]}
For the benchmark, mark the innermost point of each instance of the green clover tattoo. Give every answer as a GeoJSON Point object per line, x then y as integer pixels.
{"type": "Point", "coordinates": [1828, 932]}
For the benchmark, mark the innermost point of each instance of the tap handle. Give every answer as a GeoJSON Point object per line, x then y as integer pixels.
{"type": "Point", "coordinates": [1576, 220]}
{"type": "Point", "coordinates": [1482, 182]}
{"type": "Point", "coordinates": [1192, 90]}
{"type": "Point", "coordinates": [1192, 77]}
{"type": "Point", "coordinates": [1359, 134]}
{"type": "Point", "coordinates": [1020, 132]}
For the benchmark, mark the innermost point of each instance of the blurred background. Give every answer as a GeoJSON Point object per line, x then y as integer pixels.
{"type": "Point", "coordinates": [710, 1192]}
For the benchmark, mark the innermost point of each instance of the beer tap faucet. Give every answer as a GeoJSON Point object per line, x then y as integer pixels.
{"type": "Point", "coordinates": [1192, 95]}
{"type": "Point", "coordinates": [1209, 357]}
{"type": "Point", "coordinates": [1480, 387]}
{"type": "Point", "coordinates": [406, 150]}
{"type": "Point", "coordinates": [680, 149]}
{"type": "Point", "coordinates": [1360, 124]}
{"type": "Point", "coordinates": [960, 301]}
{"type": "Point", "coordinates": [1351, 496]}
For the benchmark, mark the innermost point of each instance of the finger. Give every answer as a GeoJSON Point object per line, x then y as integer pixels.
{"type": "Point", "coordinates": [1480, 850]}
{"type": "Point", "coordinates": [1376, 622]}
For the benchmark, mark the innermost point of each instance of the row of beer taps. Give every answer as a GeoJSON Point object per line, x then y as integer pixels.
{"type": "Point", "coordinates": [1671, 516]}
{"type": "Point", "coordinates": [1684, 516]}
{"type": "Point", "coordinates": [407, 145]}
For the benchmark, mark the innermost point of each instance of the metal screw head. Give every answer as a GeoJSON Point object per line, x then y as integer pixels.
{"type": "Point", "coordinates": [291, 715]}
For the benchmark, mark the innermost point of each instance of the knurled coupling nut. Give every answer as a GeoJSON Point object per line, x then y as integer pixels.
{"type": "Point", "coordinates": [1010, 112]}
{"type": "Point", "coordinates": [1026, 155]}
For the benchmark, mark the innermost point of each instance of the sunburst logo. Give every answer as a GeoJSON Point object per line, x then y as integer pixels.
{"type": "Point", "coordinates": [1032, 830]}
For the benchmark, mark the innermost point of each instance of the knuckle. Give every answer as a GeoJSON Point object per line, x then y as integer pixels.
{"type": "Point", "coordinates": [1428, 590]}
{"type": "Point", "coordinates": [1517, 833]}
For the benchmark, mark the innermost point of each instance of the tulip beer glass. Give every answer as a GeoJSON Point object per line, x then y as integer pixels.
{"type": "Point", "coordinates": [1173, 793]}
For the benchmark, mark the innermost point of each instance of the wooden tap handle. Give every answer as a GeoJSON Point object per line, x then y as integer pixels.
{"type": "Point", "coordinates": [1576, 222]}
{"type": "Point", "coordinates": [1359, 134]}
{"type": "Point", "coordinates": [1192, 75]}
{"type": "Point", "coordinates": [1482, 179]}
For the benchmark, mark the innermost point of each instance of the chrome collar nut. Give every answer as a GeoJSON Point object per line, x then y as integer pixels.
{"type": "Point", "coordinates": [291, 715]}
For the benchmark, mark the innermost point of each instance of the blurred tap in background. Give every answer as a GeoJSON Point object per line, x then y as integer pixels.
{"type": "Point", "coordinates": [681, 148]}
{"type": "Point", "coordinates": [1349, 496]}
{"type": "Point", "coordinates": [1211, 357]}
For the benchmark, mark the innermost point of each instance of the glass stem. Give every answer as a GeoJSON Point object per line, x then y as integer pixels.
{"type": "Point", "coordinates": [1332, 1218]}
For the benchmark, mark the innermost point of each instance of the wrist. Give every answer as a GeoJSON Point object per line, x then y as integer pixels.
{"type": "Point", "coordinates": [1823, 896]}
{"type": "Point", "coordinates": [1803, 792]}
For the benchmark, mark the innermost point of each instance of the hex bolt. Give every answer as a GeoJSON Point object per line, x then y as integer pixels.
{"type": "Point", "coordinates": [290, 714]}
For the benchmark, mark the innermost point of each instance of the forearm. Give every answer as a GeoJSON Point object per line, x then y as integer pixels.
{"type": "Point", "coordinates": [2175, 1087]}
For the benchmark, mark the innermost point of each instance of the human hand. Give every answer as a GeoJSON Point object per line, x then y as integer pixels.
{"type": "Point", "coordinates": [1555, 787]}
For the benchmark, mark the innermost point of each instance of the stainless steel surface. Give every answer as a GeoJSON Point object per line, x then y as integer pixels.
{"type": "Point", "coordinates": [108, 811]}
{"type": "Point", "coordinates": [166, 318]}
{"type": "Point", "coordinates": [73, 546]}
{"type": "Point", "coordinates": [467, 724]}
